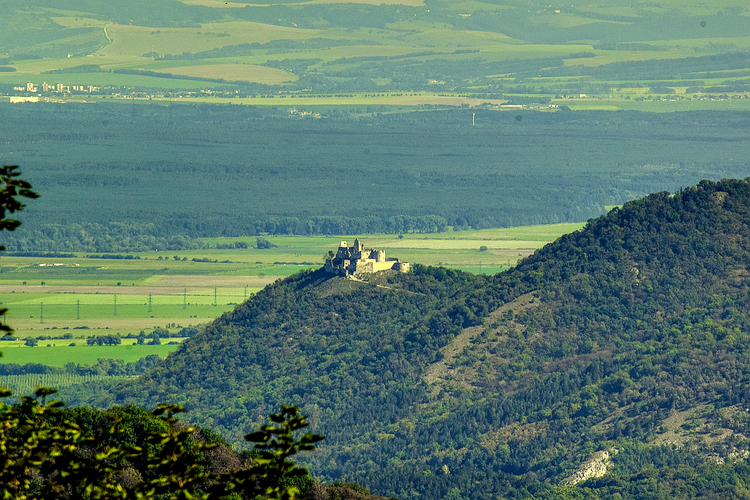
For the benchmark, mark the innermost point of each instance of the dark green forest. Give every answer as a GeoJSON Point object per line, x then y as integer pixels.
{"type": "Point", "coordinates": [597, 342]}
{"type": "Point", "coordinates": [158, 175]}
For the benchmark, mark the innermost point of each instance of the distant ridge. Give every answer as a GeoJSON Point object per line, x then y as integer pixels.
{"type": "Point", "coordinates": [630, 337]}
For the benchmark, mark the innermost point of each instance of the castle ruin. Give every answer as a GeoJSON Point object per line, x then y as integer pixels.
{"type": "Point", "coordinates": [356, 259]}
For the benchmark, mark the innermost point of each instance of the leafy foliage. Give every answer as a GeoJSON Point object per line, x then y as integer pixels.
{"type": "Point", "coordinates": [602, 341]}
{"type": "Point", "coordinates": [11, 189]}
{"type": "Point", "coordinates": [128, 453]}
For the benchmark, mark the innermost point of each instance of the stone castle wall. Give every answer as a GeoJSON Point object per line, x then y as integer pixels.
{"type": "Point", "coordinates": [356, 259]}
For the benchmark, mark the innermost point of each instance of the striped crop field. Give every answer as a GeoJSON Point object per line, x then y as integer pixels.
{"type": "Point", "coordinates": [25, 385]}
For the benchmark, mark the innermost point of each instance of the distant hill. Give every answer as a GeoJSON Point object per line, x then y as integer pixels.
{"type": "Point", "coordinates": [491, 47]}
{"type": "Point", "coordinates": [621, 347]}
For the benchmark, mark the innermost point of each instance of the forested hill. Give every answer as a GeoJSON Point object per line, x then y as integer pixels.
{"type": "Point", "coordinates": [630, 336]}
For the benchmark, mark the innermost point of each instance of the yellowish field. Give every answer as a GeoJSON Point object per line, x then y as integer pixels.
{"type": "Point", "coordinates": [611, 56]}
{"type": "Point", "coordinates": [437, 36]}
{"type": "Point", "coordinates": [564, 20]}
{"type": "Point", "coordinates": [157, 285]}
{"type": "Point", "coordinates": [216, 4]}
{"type": "Point", "coordinates": [410, 3]}
{"type": "Point", "coordinates": [235, 73]}
{"type": "Point", "coordinates": [664, 106]}
{"type": "Point", "coordinates": [219, 4]}
{"type": "Point", "coordinates": [138, 40]}
{"type": "Point", "coordinates": [79, 22]}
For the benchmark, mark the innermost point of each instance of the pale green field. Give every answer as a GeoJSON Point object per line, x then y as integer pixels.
{"type": "Point", "coordinates": [133, 41]}
{"type": "Point", "coordinates": [86, 355]}
{"type": "Point", "coordinates": [105, 79]}
{"type": "Point", "coordinates": [663, 106]}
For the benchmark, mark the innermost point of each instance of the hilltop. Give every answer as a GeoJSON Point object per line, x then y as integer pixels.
{"type": "Point", "coordinates": [620, 348]}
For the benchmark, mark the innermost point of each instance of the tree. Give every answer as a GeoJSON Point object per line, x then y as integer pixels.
{"type": "Point", "coordinates": [104, 340]}
{"type": "Point", "coordinates": [277, 444]}
{"type": "Point", "coordinates": [264, 244]}
{"type": "Point", "coordinates": [43, 454]}
{"type": "Point", "coordinates": [31, 342]}
{"type": "Point", "coordinates": [11, 189]}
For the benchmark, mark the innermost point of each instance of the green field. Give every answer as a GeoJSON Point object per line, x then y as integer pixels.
{"type": "Point", "coordinates": [60, 355]}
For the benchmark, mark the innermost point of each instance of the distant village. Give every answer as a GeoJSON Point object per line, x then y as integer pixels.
{"type": "Point", "coordinates": [48, 89]}
{"type": "Point", "coordinates": [56, 88]}
{"type": "Point", "coordinates": [33, 92]}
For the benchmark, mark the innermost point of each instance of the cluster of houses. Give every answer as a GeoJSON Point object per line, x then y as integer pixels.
{"type": "Point", "coordinates": [56, 88]}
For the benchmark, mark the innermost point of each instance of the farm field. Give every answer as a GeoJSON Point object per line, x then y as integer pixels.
{"type": "Point", "coordinates": [235, 72]}
{"type": "Point", "coordinates": [23, 385]}
{"type": "Point", "coordinates": [470, 51]}
{"type": "Point", "coordinates": [60, 355]}
{"type": "Point", "coordinates": [85, 297]}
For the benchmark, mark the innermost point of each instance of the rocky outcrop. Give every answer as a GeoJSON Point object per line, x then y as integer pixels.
{"type": "Point", "coordinates": [596, 466]}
